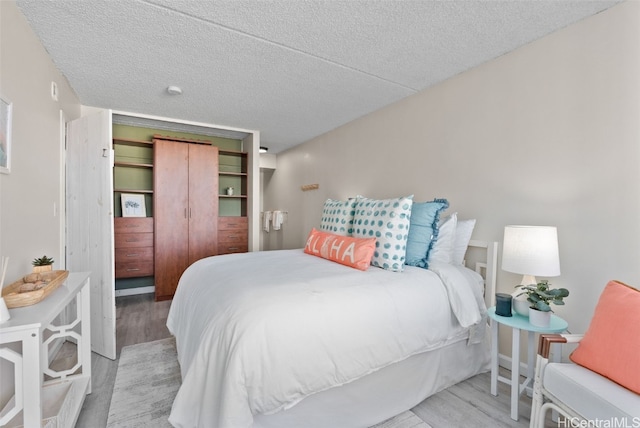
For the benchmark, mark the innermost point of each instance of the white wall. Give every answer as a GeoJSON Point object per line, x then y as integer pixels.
{"type": "Point", "coordinates": [31, 195]}
{"type": "Point", "coordinates": [545, 135]}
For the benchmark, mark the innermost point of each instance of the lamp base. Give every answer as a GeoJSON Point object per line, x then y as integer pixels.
{"type": "Point", "coordinates": [520, 304]}
{"type": "Point", "coordinates": [529, 280]}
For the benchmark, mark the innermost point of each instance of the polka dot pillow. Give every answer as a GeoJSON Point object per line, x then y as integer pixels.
{"type": "Point", "coordinates": [337, 217]}
{"type": "Point", "coordinates": [388, 221]}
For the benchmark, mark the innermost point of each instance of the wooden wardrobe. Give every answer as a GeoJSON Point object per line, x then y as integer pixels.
{"type": "Point", "coordinates": [185, 183]}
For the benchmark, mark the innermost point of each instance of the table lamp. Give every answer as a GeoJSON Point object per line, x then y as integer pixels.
{"type": "Point", "coordinates": [530, 251]}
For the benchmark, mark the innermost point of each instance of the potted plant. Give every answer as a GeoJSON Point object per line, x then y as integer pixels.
{"type": "Point", "coordinates": [540, 298]}
{"type": "Point", "coordinates": [42, 264]}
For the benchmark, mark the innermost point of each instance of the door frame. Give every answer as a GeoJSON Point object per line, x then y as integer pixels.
{"type": "Point", "coordinates": [61, 209]}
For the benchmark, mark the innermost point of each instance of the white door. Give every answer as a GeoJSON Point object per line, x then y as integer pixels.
{"type": "Point", "coordinates": [90, 221]}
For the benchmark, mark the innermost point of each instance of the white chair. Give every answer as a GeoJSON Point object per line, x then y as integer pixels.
{"type": "Point", "coordinates": [579, 394]}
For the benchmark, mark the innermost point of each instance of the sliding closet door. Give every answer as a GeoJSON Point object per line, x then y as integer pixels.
{"type": "Point", "coordinates": [203, 201]}
{"type": "Point", "coordinates": [171, 213]}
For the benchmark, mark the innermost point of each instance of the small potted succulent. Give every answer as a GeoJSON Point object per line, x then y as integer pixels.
{"type": "Point", "coordinates": [540, 298]}
{"type": "Point", "coordinates": [42, 264]}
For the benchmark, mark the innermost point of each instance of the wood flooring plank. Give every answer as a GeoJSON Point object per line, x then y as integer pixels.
{"type": "Point", "coordinates": [95, 409]}
{"type": "Point", "coordinates": [446, 410]}
{"type": "Point", "coordinates": [478, 396]}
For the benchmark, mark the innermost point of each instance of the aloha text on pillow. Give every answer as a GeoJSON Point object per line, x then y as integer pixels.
{"type": "Point", "coordinates": [353, 252]}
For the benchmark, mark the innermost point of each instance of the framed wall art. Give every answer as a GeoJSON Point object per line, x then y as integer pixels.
{"type": "Point", "coordinates": [133, 205]}
{"type": "Point", "coordinates": [6, 110]}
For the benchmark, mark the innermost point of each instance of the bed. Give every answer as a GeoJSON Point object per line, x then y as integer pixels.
{"type": "Point", "coordinates": [287, 339]}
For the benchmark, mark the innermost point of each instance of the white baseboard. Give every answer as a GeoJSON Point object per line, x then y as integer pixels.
{"type": "Point", "coordinates": [55, 347]}
{"type": "Point", "coordinates": [504, 361]}
{"type": "Point", "coordinates": [134, 291]}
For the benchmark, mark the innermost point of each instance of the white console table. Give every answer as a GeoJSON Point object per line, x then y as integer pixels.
{"type": "Point", "coordinates": [56, 402]}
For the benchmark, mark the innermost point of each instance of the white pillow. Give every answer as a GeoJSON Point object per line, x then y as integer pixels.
{"type": "Point", "coordinates": [442, 247]}
{"type": "Point", "coordinates": [464, 229]}
{"type": "Point", "coordinates": [388, 221]}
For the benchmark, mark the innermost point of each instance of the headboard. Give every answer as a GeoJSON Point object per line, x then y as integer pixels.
{"type": "Point", "coordinates": [487, 268]}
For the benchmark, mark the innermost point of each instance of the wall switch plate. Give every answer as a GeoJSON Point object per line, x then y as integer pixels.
{"type": "Point", "coordinates": [54, 91]}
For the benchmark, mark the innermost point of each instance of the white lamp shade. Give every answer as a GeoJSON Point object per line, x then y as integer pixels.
{"type": "Point", "coordinates": [531, 250]}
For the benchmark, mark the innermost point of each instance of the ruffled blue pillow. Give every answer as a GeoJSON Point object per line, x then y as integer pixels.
{"type": "Point", "coordinates": [423, 230]}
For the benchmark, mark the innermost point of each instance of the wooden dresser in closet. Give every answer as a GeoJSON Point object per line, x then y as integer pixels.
{"type": "Point", "coordinates": [185, 207]}
{"type": "Point", "coordinates": [233, 235]}
{"type": "Point", "coordinates": [134, 246]}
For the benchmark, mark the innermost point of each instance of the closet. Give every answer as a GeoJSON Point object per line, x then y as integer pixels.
{"type": "Point", "coordinates": [185, 183]}
{"type": "Point", "coordinates": [110, 153]}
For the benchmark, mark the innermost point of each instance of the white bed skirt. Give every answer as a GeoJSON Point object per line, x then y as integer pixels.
{"type": "Point", "coordinates": [386, 392]}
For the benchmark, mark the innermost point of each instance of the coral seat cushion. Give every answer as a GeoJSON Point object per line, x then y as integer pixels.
{"type": "Point", "coordinates": [353, 252]}
{"type": "Point", "coordinates": [611, 345]}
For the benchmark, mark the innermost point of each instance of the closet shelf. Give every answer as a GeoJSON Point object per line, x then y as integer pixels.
{"type": "Point", "coordinates": [147, 191]}
{"type": "Point", "coordinates": [233, 174]}
{"type": "Point", "coordinates": [130, 142]}
{"type": "Point", "coordinates": [231, 152]}
{"type": "Point", "coordinates": [133, 164]}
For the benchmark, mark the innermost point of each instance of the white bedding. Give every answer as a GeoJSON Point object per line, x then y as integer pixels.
{"type": "Point", "coordinates": [258, 332]}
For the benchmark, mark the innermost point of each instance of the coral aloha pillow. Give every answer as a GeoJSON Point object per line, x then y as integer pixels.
{"type": "Point", "coordinates": [337, 217]}
{"type": "Point", "coordinates": [611, 345]}
{"type": "Point", "coordinates": [423, 230]}
{"type": "Point", "coordinates": [388, 221]}
{"type": "Point", "coordinates": [353, 252]}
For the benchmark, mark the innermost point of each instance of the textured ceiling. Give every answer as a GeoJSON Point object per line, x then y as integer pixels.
{"type": "Point", "coordinates": [290, 69]}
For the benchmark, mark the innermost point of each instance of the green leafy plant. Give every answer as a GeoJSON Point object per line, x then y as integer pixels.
{"type": "Point", "coordinates": [42, 261]}
{"type": "Point", "coordinates": [540, 296]}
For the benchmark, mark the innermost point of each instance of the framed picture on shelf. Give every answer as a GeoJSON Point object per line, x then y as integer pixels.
{"type": "Point", "coordinates": [133, 205]}
{"type": "Point", "coordinates": [5, 135]}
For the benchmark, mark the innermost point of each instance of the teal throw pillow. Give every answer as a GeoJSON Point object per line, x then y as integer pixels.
{"type": "Point", "coordinates": [337, 217]}
{"type": "Point", "coordinates": [388, 221]}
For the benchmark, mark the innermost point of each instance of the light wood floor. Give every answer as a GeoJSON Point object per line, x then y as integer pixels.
{"type": "Point", "coordinates": [140, 319]}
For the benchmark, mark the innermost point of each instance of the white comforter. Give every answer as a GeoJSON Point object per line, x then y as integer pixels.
{"type": "Point", "coordinates": [258, 332]}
